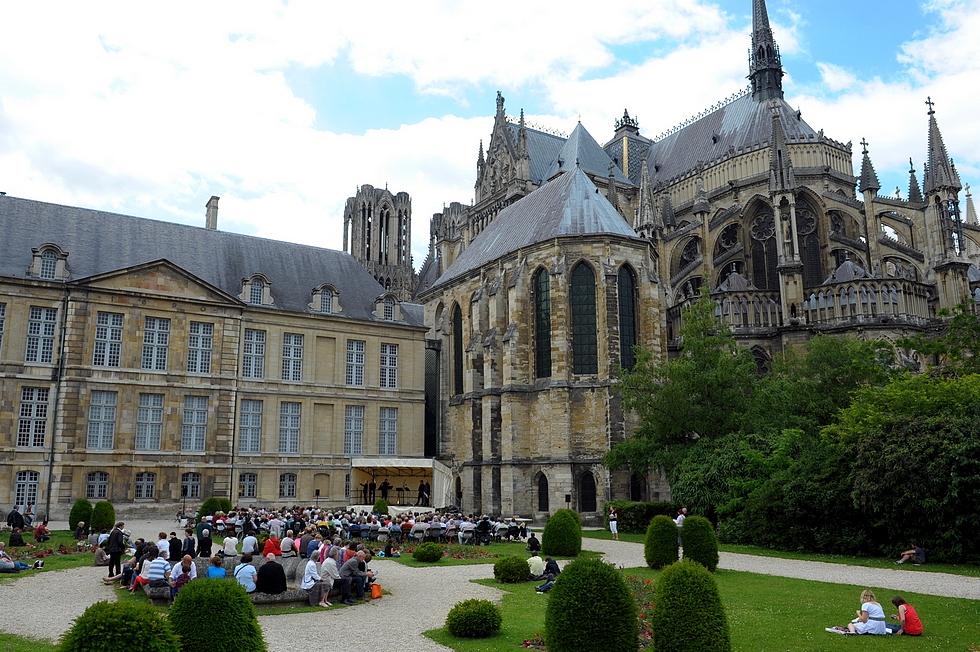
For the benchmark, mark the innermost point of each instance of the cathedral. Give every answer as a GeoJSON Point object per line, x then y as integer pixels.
{"type": "Point", "coordinates": [574, 252]}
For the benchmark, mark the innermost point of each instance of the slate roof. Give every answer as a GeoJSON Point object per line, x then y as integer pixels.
{"type": "Point", "coordinates": [869, 178]}
{"type": "Point", "coordinates": [568, 205]}
{"type": "Point", "coordinates": [582, 149]}
{"type": "Point", "coordinates": [98, 242]}
{"type": "Point", "coordinates": [741, 123]}
{"type": "Point", "coordinates": [542, 148]}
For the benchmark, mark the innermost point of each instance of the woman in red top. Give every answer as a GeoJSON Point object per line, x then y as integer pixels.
{"type": "Point", "coordinates": [911, 625]}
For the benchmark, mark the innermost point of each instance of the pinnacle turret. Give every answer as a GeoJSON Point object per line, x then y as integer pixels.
{"type": "Point", "coordinates": [940, 171]}
{"type": "Point", "coordinates": [869, 179]}
{"type": "Point", "coordinates": [915, 193]}
{"type": "Point", "coordinates": [781, 175]}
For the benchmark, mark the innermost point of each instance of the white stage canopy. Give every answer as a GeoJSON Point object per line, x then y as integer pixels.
{"type": "Point", "coordinates": [404, 474]}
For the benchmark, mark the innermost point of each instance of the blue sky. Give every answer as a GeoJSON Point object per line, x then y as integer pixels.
{"type": "Point", "coordinates": [283, 109]}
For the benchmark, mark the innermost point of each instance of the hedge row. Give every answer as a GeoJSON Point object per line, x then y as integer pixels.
{"type": "Point", "coordinates": [635, 517]}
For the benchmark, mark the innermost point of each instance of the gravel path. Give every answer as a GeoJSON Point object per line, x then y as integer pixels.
{"type": "Point", "coordinates": [43, 605]}
{"type": "Point", "coordinates": [630, 555]}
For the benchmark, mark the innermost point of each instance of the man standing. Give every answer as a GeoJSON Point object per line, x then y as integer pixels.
{"type": "Point", "coordinates": [117, 544]}
{"type": "Point", "coordinates": [15, 518]}
{"type": "Point", "coordinates": [175, 548]}
{"type": "Point", "coordinates": [271, 577]}
{"type": "Point", "coordinates": [351, 571]}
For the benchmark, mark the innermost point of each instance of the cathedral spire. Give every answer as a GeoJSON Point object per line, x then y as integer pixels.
{"type": "Point", "coordinates": [915, 193]}
{"type": "Point", "coordinates": [940, 171]}
{"type": "Point", "coordinates": [765, 66]}
{"type": "Point", "coordinates": [648, 214]}
{"type": "Point", "coordinates": [971, 210]}
{"type": "Point", "coordinates": [869, 179]}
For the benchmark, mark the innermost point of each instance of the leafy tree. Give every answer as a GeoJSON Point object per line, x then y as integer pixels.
{"type": "Point", "coordinates": [955, 348]}
{"type": "Point", "coordinates": [703, 393]}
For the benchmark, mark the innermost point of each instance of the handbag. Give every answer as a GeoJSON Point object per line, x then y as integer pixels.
{"type": "Point", "coordinates": [375, 591]}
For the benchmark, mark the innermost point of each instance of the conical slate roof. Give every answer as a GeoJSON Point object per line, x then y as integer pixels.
{"type": "Point", "coordinates": [582, 150]}
{"type": "Point", "coordinates": [869, 179]}
{"type": "Point", "coordinates": [567, 206]}
{"type": "Point", "coordinates": [940, 172]}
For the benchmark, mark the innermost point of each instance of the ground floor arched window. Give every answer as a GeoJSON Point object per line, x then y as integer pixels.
{"type": "Point", "coordinates": [586, 493]}
{"type": "Point", "coordinates": [542, 492]}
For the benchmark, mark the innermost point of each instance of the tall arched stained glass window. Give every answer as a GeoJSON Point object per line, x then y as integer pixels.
{"type": "Point", "coordinates": [542, 324]}
{"type": "Point", "coordinates": [457, 335]}
{"type": "Point", "coordinates": [627, 317]}
{"type": "Point", "coordinates": [542, 493]}
{"type": "Point", "coordinates": [585, 358]}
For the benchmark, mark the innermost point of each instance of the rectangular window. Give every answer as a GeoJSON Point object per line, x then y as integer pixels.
{"type": "Point", "coordinates": [354, 430]}
{"type": "Point", "coordinates": [195, 424]}
{"type": "Point", "coordinates": [326, 301]}
{"type": "Point", "coordinates": [190, 485]}
{"type": "Point", "coordinates": [292, 357]}
{"type": "Point", "coordinates": [387, 431]}
{"type": "Point", "coordinates": [250, 430]}
{"type": "Point", "coordinates": [97, 485]}
{"type": "Point", "coordinates": [289, 414]}
{"type": "Point", "coordinates": [146, 485]}
{"type": "Point", "coordinates": [40, 334]}
{"type": "Point", "coordinates": [101, 420]}
{"type": "Point", "coordinates": [108, 339]}
{"type": "Point", "coordinates": [3, 314]}
{"type": "Point", "coordinates": [389, 366]}
{"type": "Point", "coordinates": [355, 363]}
{"type": "Point", "coordinates": [149, 422]}
{"type": "Point", "coordinates": [253, 354]}
{"type": "Point", "coordinates": [199, 340]}
{"type": "Point", "coordinates": [156, 341]}
{"type": "Point", "coordinates": [248, 484]}
{"type": "Point", "coordinates": [287, 485]}
{"type": "Point", "coordinates": [33, 416]}
{"type": "Point", "coordinates": [25, 488]}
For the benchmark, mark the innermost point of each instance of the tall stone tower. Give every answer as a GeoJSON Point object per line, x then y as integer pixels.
{"type": "Point", "coordinates": [378, 233]}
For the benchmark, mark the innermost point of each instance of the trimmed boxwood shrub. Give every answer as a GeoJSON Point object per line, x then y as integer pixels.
{"type": "Point", "coordinates": [635, 517]}
{"type": "Point", "coordinates": [562, 534]}
{"type": "Point", "coordinates": [660, 544]}
{"type": "Point", "coordinates": [103, 517]}
{"type": "Point", "coordinates": [700, 542]}
{"type": "Point", "coordinates": [80, 511]}
{"type": "Point", "coordinates": [120, 626]}
{"type": "Point", "coordinates": [216, 616]}
{"type": "Point", "coordinates": [591, 609]}
{"type": "Point", "coordinates": [511, 570]}
{"type": "Point", "coordinates": [428, 552]}
{"type": "Point", "coordinates": [213, 505]}
{"type": "Point", "coordinates": [474, 619]}
{"type": "Point", "coordinates": [380, 506]}
{"type": "Point", "coordinates": [688, 615]}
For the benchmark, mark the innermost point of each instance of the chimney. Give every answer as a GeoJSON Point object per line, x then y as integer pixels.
{"type": "Point", "coordinates": [212, 206]}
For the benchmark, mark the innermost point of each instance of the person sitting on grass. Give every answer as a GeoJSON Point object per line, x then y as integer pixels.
{"type": "Point", "coordinates": [916, 554]}
{"type": "Point", "coordinates": [80, 531]}
{"type": "Point", "coordinates": [42, 533]}
{"type": "Point", "coordinates": [551, 567]}
{"type": "Point", "coordinates": [8, 564]}
{"type": "Point", "coordinates": [17, 539]}
{"type": "Point", "coordinates": [102, 558]}
{"type": "Point", "coordinates": [870, 617]}
{"type": "Point", "coordinates": [536, 566]}
{"type": "Point", "coordinates": [533, 545]}
{"type": "Point", "coordinates": [907, 616]}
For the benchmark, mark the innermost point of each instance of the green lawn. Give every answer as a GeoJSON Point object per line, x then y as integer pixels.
{"type": "Point", "coordinates": [969, 570]}
{"type": "Point", "coordinates": [765, 614]}
{"type": "Point", "coordinates": [498, 550]}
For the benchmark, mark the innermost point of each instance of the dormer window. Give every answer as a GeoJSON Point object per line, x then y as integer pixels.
{"type": "Point", "coordinates": [325, 300]}
{"type": "Point", "coordinates": [386, 307]}
{"type": "Point", "coordinates": [49, 263]}
{"type": "Point", "coordinates": [256, 291]}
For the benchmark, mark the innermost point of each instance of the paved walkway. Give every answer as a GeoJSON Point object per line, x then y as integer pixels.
{"type": "Point", "coordinates": [43, 605]}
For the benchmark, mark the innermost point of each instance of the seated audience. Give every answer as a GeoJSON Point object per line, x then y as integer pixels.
{"type": "Point", "coordinates": [245, 573]}
{"type": "Point", "coordinates": [271, 577]}
{"type": "Point", "coordinates": [216, 571]}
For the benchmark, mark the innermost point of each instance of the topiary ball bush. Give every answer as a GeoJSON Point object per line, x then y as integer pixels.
{"type": "Point", "coordinates": [120, 626]}
{"type": "Point", "coordinates": [225, 505]}
{"type": "Point", "coordinates": [700, 542]}
{"type": "Point", "coordinates": [591, 610]}
{"type": "Point", "coordinates": [216, 616]}
{"type": "Point", "coordinates": [80, 511]}
{"type": "Point", "coordinates": [660, 544]}
{"type": "Point", "coordinates": [380, 506]}
{"type": "Point", "coordinates": [428, 552]}
{"type": "Point", "coordinates": [210, 507]}
{"type": "Point", "coordinates": [474, 619]}
{"type": "Point", "coordinates": [688, 615]}
{"type": "Point", "coordinates": [103, 517]}
{"type": "Point", "coordinates": [511, 570]}
{"type": "Point", "coordinates": [562, 534]}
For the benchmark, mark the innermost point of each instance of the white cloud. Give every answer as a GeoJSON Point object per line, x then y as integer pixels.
{"type": "Point", "coordinates": [835, 78]}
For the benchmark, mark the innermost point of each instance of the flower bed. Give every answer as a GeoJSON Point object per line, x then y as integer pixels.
{"type": "Point", "coordinates": [456, 551]}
